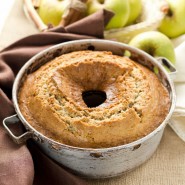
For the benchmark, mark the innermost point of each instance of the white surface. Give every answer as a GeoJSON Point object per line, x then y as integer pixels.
{"type": "Point", "coordinates": [178, 120]}
{"type": "Point", "coordinates": [5, 8]}
{"type": "Point", "coordinates": [179, 40]}
{"type": "Point", "coordinates": [180, 63]}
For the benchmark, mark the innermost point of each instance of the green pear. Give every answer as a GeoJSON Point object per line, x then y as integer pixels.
{"type": "Point", "coordinates": [154, 43]}
{"type": "Point", "coordinates": [135, 10]}
{"type": "Point", "coordinates": [51, 11]}
{"type": "Point", "coordinates": [120, 8]}
{"type": "Point", "coordinates": [173, 25]}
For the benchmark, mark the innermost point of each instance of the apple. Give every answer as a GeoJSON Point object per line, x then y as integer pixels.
{"type": "Point", "coordinates": [120, 8]}
{"type": "Point", "coordinates": [173, 23]}
{"type": "Point", "coordinates": [135, 10]}
{"type": "Point", "coordinates": [51, 11]}
{"type": "Point", "coordinates": [154, 43]}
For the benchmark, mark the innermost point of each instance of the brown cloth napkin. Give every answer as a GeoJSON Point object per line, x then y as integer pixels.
{"type": "Point", "coordinates": [18, 165]}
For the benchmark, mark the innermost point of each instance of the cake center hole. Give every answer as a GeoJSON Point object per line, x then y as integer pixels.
{"type": "Point", "coordinates": [94, 98]}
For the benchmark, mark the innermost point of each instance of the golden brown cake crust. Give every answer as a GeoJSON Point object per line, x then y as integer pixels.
{"type": "Point", "coordinates": [51, 100]}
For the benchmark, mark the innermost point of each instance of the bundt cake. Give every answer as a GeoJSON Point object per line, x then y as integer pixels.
{"type": "Point", "coordinates": [93, 99]}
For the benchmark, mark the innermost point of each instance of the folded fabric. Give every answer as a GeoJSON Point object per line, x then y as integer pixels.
{"type": "Point", "coordinates": [177, 121]}
{"type": "Point", "coordinates": [15, 160]}
{"type": "Point", "coordinates": [180, 63]}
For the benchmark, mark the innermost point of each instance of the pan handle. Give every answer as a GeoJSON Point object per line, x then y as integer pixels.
{"type": "Point", "coordinates": [169, 66]}
{"type": "Point", "coordinates": [17, 139]}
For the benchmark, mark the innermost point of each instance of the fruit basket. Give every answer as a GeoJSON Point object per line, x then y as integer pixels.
{"type": "Point", "coordinates": [75, 10]}
{"type": "Point", "coordinates": [153, 11]}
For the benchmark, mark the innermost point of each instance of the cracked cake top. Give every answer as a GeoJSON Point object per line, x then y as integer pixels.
{"type": "Point", "coordinates": [52, 99]}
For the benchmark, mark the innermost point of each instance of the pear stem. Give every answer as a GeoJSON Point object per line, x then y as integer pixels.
{"type": "Point", "coordinates": [36, 3]}
{"type": "Point", "coordinates": [166, 10]}
{"type": "Point", "coordinates": [170, 13]}
{"type": "Point", "coordinates": [101, 1]}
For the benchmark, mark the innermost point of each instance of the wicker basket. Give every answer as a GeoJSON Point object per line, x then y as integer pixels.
{"type": "Point", "coordinates": [75, 11]}
{"type": "Point", "coordinates": [152, 14]}
{"type": "Point", "coordinates": [153, 11]}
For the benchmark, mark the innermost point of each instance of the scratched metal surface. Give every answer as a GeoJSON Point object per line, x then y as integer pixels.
{"type": "Point", "coordinates": [96, 163]}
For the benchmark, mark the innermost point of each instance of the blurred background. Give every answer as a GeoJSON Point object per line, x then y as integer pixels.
{"type": "Point", "coordinates": [4, 11]}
